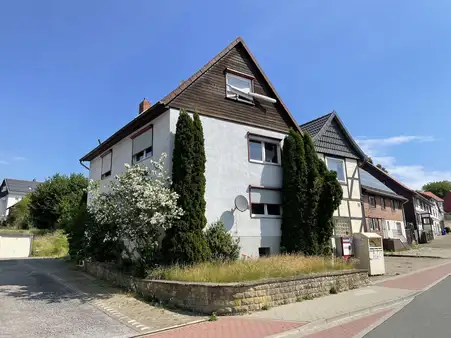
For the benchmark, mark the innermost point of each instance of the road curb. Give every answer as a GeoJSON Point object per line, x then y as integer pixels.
{"type": "Point", "coordinates": [414, 256]}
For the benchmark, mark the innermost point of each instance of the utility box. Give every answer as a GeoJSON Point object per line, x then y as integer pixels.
{"type": "Point", "coordinates": [344, 247]}
{"type": "Point", "coordinates": [368, 248]}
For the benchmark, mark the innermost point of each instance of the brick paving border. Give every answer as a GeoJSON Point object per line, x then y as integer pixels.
{"type": "Point", "coordinates": [419, 280]}
{"type": "Point", "coordinates": [228, 327]}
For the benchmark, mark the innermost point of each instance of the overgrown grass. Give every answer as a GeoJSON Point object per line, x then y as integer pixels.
{"type": "Point", "coordinates": [46, 243]}
{"type": "Point", "coordinates": [251, 269]}
{"type": "Point", "coordinates": [50, 245]}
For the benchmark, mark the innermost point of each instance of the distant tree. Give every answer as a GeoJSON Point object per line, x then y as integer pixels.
{"type": "Point", "coordinates": [19, 215]}
{"type": "Point", "coordinates": [370, 160]}
{"type": "Point", "coordinates": [439, 188]}
{"type": "Point", "coordinates": [54, 198]}
{"type": "Point", "coordinates": [381, 168]}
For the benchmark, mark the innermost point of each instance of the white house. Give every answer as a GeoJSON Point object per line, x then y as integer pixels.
{"type": "Point", "coordinates": [13, 191]}
{"type": "Point", "coordinates": [335, 145]}
{"type": "Point", "coordinates": [437, 212]}
{"type": "Point", "coordinates": [244, 122]}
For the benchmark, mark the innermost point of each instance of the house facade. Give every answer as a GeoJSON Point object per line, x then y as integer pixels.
{"type": "Point", "coordinates": [437, 213]}
{"type": "Point", "coordinates": [383, 208]}
{"type": "Point", "coordinates": [336, 147]}
{"type": "Point", "coordinates": [417, 209]}
{"type": "Point", "coordinates": [244, 123]}
{"type": "Point", "coordinates": [13, 191]}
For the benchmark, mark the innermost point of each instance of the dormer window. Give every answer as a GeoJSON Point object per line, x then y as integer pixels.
{"type": "Point", "coordinates": [238, 86]}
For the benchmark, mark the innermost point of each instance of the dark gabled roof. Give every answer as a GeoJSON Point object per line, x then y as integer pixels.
{"type": "Point", "coordinates": [331, 137]}
{"type": "Point", "coordinates": [20, 186]}
{"type": "Point", "coordinates": [373, 185]}
{"type": "Point", "coordinates": [399, 183]}
{"type": "Point", "coordinates": [159, 107]}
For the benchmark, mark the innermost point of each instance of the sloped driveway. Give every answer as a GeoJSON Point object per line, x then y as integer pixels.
{"type": "Point", "coordinates": [48, 298]}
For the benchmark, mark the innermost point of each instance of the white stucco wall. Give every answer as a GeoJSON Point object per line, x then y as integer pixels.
{"type": "Point", "coordinates": [229, 173]}
{"type": "Point", "coordinates": [390, 230]}
{"type": "Point", "coordinates": [8, 201]}
{"type": "Point", "coordinates": [122, 151]}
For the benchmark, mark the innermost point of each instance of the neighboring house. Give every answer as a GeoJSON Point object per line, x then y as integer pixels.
{"type": "Point", "coordinates": [447, 203]}
{"type": "Point", "coordinates": [437, 212]}
{"type": "Point", "coordinates": [417, 209]}
{"type": "Point", "coordinates": [337, 148]}
{"type": "Point", "coordinates": [244, 122]}
{"type": "Point", "coordinates": [13, 191]}
{"type": "Point", "coordinates": [383, 208]}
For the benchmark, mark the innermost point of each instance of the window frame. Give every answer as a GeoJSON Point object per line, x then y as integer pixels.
{"type": "Point", "coordinates": [369, 201]}
{"type": "Point", "coordinates": [240, 76]}
{"type": "Point", "coordinates": [265, 205]}
{"type": "Point", "coordinates": [383, 205]}
{"type": "Point", "coordinates": [344, 167]}
{"type": "Point", "coordinates": [392, 205]}
{"type": "Point", "coordinates": [109, 172]}
{"type": "Point", "coordinates": [146, 156]}
{"type": "Point", "coordinates": [263, 140]}
{"type": "Point", "coordinates": [371, 221]}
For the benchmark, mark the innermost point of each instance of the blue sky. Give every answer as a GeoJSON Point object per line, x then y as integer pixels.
{"type": "Point", "coordinates": [74, 71]}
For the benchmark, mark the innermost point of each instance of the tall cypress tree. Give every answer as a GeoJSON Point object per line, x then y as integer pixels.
{"type": "Point", "coordinates": [198, 178]}
{"type": "Point", "coordinates": [185, 242]}
{"type": "Point", "coordinates": [313, 190]}
{"type": "Point", "coordinates": [294, 193]}
{"type": "Point", "coordinates": [329, 200]}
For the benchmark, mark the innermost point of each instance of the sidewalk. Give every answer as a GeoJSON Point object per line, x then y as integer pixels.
{"type": "Point", "coordinates": [440, 247]}
{"type": "Point", "coordinates": [341, 315]}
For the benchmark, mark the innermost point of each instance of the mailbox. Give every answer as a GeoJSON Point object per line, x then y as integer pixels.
{"type": "Point", "coordinates": [370, 252]}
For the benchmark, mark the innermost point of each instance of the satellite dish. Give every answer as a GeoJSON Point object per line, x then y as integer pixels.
{"type": "Point", "coordinates": [241, 203]}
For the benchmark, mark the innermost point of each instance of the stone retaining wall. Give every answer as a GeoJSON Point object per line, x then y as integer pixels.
{"type": "Point", "coordinates": [227, 298]}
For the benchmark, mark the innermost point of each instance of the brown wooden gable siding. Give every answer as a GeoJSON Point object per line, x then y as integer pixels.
{"type": "Point", "coordinates": [207, 95]}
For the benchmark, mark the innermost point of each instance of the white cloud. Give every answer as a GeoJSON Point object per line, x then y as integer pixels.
{"type": "Point", "coordinates": [19, 158]}
{"type": "Point", "coordinates": [4, 162]}
{"type": "Point", "coordinates": [414, 176]}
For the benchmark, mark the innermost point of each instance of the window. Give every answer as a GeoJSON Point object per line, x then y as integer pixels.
{"type": "Point", "coordinates": [372, 201]}
{"type": "Point", "coordinates": [237, 87]}
{"type": "Point", "coordinates": [374, 224]}
{"type": "Point", "coordinates": [382, 203]}
{"type": "Point", "coordinates": [106, 164]}
{"type": "Point", "coordinates": [264, 252]}
{"type": "Point", "coordinates": [337, 165]}
{"type": "Point", "coordinates": [265, 202]}
{"type": "Point", "coordinates": [263, 150]}
{"type": "Point", "coordinates": [342, 227]}
{"type": "Point", "coordinates": [142, 147]}
{"type": "Point", "coordinates": [392, 205]}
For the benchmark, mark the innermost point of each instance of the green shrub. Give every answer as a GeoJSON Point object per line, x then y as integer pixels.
{"type": "Point", "coordinates": [19, 216]}
{"type": "Point", "coordinates": [222, 246]}
{"type": "Point", "coordinates": [448, 230]}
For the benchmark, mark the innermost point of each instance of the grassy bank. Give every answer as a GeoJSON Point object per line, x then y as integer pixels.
{"type": "Point", "coordinates": [45, 243]}
{"type": "Point", "coordinates": [251, 269]}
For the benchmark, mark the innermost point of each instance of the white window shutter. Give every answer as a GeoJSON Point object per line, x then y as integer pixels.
{"type": "Point", "coordinates": [106, 163]}
{"type": "Point", "coordinates": [142, 141]}
{"type": "Point", "coordinates": [266, 196]}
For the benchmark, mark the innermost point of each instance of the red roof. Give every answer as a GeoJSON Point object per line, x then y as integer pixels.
{"type": "Point", "coordinates": [430, 194]}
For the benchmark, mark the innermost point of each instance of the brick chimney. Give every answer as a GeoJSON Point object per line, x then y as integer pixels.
{"type": "Point", "coordinates": [143, 106]}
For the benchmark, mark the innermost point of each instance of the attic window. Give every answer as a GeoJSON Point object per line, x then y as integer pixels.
{"type": "Point", "coordinates": [237, 87]}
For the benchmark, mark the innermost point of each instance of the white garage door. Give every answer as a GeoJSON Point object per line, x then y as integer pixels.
{"type": "Point", "coordinates": [15, 246]}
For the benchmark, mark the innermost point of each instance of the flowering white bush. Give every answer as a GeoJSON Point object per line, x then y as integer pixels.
{"type": "Point", "coordinates": [140, 204]}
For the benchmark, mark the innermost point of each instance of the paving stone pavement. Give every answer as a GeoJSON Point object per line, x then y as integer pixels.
{"type": "Point", "coordinates": [140, 315]}
{"type": "Point", "coordinates": [228, 327]}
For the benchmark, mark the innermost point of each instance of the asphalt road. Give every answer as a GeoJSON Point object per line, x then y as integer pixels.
{"type": "Point", "coordinates": [33, 304]}
{"type": "Point", "coordinates": [428, 315]}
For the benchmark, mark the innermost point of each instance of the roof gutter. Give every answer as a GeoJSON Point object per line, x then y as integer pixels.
{"type": "Point", "coordinates": [81, 162]}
